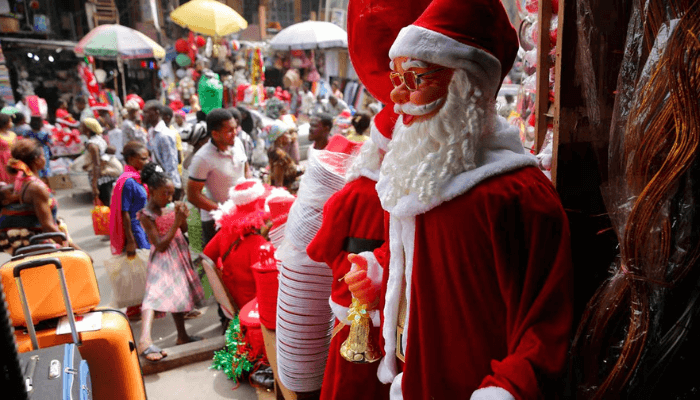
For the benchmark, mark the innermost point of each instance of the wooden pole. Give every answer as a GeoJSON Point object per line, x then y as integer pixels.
{"type": "Point", "coordinates": [557, 90]}
{"type": "Point", "coordinates": [543, 65]}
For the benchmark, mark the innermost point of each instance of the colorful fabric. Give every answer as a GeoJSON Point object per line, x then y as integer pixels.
{"type": "Point", "coordinates": [6, 141]}
{"type": "Point", "coordinates": [18, 221]}
{"type": "Point", "coordinates": [172, 285]}
{"type": "Point", "coordinates": [132, 200]}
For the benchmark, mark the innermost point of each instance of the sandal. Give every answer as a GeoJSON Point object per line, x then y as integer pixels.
{"type": "Point", "coordinates": [153, 349]}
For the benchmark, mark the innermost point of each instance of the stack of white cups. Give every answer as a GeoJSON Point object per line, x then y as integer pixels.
{"type": "Point", "coordinates": [304, 317]}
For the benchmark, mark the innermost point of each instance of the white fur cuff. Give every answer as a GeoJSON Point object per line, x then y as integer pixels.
{"type": "Point", "coordinates": [374, 270]}
{"type": "Point", "coordinates": [492, 393]}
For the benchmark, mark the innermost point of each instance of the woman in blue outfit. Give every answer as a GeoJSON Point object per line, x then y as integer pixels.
{"type": "Point", "coordinates": [129, 197]}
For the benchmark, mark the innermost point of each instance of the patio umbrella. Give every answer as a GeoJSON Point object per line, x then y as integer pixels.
{"type": "Point", "coordinates": [208, 17]}
{"type": "Point", "coordinates": [310, 35]}
{"type": "Point", "coordinates": [9, 110]}
{"type": "Point", "coordinates": [120, 42]}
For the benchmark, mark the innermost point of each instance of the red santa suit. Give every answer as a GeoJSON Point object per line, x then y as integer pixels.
{"type": "Point", "coordinates": [353, 222]}
{"type": "Point", "coordinates": [483, 265]}
{"type": "Point", "coordinates": [236, 246]}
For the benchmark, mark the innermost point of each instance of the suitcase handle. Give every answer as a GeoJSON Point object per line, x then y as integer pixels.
{"type": "Point", "coordinates": [48, 235]}
{"type": "Point", "coordinates": [33, 248]}
{"type": "Point", "coordinates": [38, 252]}
{"type": "Point", "coordinates": [23, 297]}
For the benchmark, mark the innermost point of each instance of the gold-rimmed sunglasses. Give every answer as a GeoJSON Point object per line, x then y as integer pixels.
{"type": "Point", "coordinates": [410, 78]}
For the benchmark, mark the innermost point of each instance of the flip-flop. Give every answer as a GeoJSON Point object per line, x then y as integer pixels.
{"type": "Point", "coordinates": [153, 349]}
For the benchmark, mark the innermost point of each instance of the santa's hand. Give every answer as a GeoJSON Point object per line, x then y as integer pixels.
{"type": "Point", "coordinates": [360, 284]}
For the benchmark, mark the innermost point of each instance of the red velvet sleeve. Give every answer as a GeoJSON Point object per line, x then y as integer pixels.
{"type": "Point", "coordinates": [536, 284]}
{"type": "Point", "coordinates": [213, 248]}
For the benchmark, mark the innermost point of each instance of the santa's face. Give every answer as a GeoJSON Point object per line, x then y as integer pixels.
{"type": "Point", "coordinates": [420, 88]}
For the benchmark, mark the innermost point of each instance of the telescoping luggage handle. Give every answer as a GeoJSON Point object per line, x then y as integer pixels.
{"type": "Point", "coordinates": [25, 305]}
{"type": "Point", "coordinates": [48, 235]}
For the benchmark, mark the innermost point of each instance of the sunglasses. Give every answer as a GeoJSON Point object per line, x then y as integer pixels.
{"type": "Point", "coordinates": [410, 78]}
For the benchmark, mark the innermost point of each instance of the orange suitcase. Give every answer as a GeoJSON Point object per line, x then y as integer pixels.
{"type": "Point", "coordinates": [43, 288]}
{"type": "Point", "coordinates": [110, 351]}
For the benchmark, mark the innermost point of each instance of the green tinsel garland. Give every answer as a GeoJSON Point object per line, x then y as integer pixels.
{"type": "Point", "coordinates": [236, 357]}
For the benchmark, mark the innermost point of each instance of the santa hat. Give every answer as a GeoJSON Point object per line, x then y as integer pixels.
{"type": "Point", "coordinates": [382, 127]}
{"type": "Point", "coordinates": [244, 209]}
{"type": "Point", "coordinates": [372, 28]}
{"type": "Point", "coordinates": [474, 35]}
{"type": "Point", "coordinates": [278, 203]}
{"type": "Point", "coordinates": [341, 144]}
{"type": "Point", "coordinates": [37, 106]}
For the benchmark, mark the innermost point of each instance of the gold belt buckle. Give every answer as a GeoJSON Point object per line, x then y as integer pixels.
{"type": "Point", "coordinates": [400, 351]}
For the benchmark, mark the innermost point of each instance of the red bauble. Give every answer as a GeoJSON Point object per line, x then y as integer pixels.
{"type": "Point", "coordinates": [181, 46]}
{"type": "Point", "coordinates": [200, 41]}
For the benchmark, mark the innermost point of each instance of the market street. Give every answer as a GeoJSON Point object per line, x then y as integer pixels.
{"type": "Point", "coordinates": [186, 382]}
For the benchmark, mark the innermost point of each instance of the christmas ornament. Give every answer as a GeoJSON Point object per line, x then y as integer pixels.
{"type": "Point", "coordinates": [183, 60]}
{"type": "Point", "coordinates": [358, 347]}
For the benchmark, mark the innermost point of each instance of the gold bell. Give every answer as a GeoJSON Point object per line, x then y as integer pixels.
{"type": "Point", "coordinates": [358, 347]}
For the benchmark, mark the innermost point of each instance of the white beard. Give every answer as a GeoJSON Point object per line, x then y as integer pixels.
{"type": "Point", "coordinates": [365, 163]}
{"type": "Point", "coordinates": [425, 155]}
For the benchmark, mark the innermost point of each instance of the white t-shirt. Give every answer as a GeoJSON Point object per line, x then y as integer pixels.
{"type": "Point", "coordinates": [219, 170]}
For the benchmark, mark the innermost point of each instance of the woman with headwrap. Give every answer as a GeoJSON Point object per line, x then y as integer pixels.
{"type": "Point", "coordinates": [103, 171]}
{"type": "Point", "coordinates": [35, 211]}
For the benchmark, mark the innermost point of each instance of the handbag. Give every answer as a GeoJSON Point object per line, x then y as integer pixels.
{"type": "Point", "coordinates": [128, 277]}
{"type": "Point", "coordinates": [100, 219]}
{"type": "Point", "coordinates": [111, 167]}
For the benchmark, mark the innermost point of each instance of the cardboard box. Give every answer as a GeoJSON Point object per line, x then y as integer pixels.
{"type": "Point", "coordinates": [58, 182]}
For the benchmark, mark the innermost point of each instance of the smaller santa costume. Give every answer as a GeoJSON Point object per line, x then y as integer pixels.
{"type": "Point", "coordinates": [236, 246]}
{"type": "Point", "coordinates": [353, 223]}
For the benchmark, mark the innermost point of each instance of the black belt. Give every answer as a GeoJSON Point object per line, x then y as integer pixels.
{"type": "Point", "coordinates": [358, 245]}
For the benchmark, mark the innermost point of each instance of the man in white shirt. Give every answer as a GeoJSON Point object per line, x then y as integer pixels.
{"type": "Point", "coordinates": [336, 106]}
{"type": "Point", "coordinates": [82, 106]}
{"type": "Point", "coordinates": [218, 165]}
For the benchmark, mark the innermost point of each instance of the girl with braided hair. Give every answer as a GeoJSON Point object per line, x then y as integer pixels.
{"type": "Point", "coordinates": [172, 284]}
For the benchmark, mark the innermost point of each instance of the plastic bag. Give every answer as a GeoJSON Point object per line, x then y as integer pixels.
{"type": "Point", "coordinates": [128, 277]}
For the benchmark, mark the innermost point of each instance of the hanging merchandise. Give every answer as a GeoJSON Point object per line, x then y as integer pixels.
{"type": "Point", "coordinates": [183, 60]}
{"type": "Point", "coordinates": [210, 91]}
{"type": "Point", "coordinates": [208, 48]}
{"type": "Point", "coordinates": [181, 46]}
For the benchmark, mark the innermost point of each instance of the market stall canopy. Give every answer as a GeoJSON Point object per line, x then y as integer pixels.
{"type": "Point", "coordinates": [208, 17]}
{"type": "Point", "coordinates": [310, 35]}
{"type": "Point", "coordinates": [118, 41]}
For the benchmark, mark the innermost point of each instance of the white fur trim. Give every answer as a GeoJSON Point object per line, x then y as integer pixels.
{"type": "Point", "coordinates": [241, 197]}
{"type": "Point", "coordinates": [499, 152]}
{"type": "Point", "coordinates": [374, 269]}
{"type": "Point", "coordinates": [401, 240]}
{"type": "Point", "coordinates": [366, 163]}
{"type": "Point", "coordinates": [277, 193]}
{"type": "Point", "coordinates": [224, 209]}
{"type": "Point", "coordinates": [340, 312]}
{"type": "Point", "coordinates": [427, 45]}
{"type": "Point", "coordinates": [396, 392]}
{"type": "Point", "coordinates": [380, 140]}
{"type": "Point", "coordinates": [491, 393]}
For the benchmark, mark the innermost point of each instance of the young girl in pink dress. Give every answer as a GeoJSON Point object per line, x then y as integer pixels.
{"type": "Point", "coordinates": [172, 285]}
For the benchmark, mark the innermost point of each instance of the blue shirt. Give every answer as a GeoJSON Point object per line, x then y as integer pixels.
{"type": "Point", "coordinates": [164, 151]}
{"type": "Point", "coordinates": [134, 199]}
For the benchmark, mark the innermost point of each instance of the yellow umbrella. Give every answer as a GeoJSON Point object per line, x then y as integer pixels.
{"type": "Point", "coordinates": [208, 17]}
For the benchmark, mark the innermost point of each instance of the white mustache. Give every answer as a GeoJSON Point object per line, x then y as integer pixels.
{"type": "Point", "coordinates": [418, 109]}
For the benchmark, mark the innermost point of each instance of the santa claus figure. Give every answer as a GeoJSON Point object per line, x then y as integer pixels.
{"type": "Point", "coordinates": [236, 246]}
{"type": "Point", "coordinates": [477, 301]}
